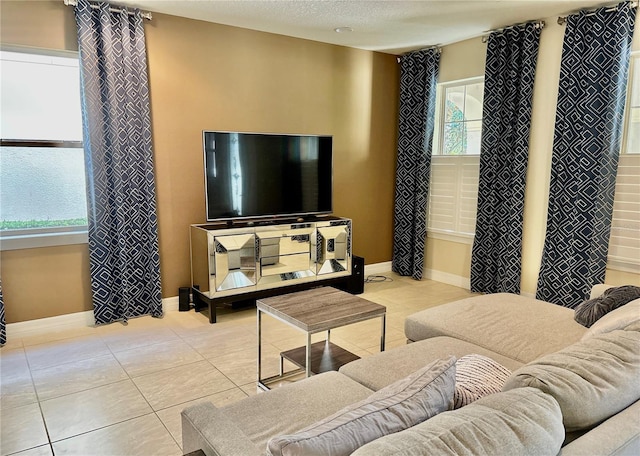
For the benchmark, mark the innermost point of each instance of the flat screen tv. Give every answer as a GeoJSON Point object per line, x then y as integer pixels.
{"type": "Point", "coordinates": [257, 175]}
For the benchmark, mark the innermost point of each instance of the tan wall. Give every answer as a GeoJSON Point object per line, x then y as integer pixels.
{"type": "Point", "coordinates": [461, 60]}
{"type": "Point", "coordinates": [466, 59]}
{"type": "Point", "coordinates": [447, 256]}
{"type": "Point", "coordinates": [45, 282]}
{"type": "Point", "coordinates": [209, 76]}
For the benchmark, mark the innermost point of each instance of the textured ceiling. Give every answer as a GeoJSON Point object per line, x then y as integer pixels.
{"type": "Point", "coordinates": [392, 26]}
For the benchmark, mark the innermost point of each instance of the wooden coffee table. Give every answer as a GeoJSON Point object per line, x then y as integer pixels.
{"type": "Point", "coordinates": [312, 311]}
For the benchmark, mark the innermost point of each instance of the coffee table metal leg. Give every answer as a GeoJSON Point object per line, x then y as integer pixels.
{"type": "Point", "coordinates": [382, 333]}
{"type": "Point", "coordinates": [259, 347]}
{"type": "Point", "coordinates": [308, 363]}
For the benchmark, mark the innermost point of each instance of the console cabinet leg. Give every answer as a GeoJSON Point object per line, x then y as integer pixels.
{"type": "Point", "coordinates": [212, 312]}
{"type": "Point", "coordinates": [198, 303]}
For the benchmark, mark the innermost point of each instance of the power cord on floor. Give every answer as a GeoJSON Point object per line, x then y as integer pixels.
{"type": "Point", "coordinates": [377, 279]}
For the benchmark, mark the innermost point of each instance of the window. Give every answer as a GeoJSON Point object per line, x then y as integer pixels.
{"type": "Point", "coordinates": [42, 179]}
{"type": "Point", "coordinates": [458, 117]}
{"type": "Point", "coordinates": [624, 244]}
{"type": "Point", "coordinates": [453, 188]}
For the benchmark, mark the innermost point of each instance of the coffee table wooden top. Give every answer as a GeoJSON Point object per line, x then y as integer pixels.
{"type": "Point", "coordinates": [320, 309]}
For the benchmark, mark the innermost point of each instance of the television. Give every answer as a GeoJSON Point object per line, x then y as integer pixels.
{"type": "Point", "coordinates": [258, 175]}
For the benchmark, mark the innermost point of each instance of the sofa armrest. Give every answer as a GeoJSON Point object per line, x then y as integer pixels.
{"type": "Point", "coordinates": [598, 289]}
{"type": "Point", "coordinates": [619, 435]}
{"type": "Point", "coordinates": [206, 427]}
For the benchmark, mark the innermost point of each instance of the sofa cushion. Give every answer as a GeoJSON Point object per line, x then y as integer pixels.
{"type": "Point", "coordinates": [591, 310]}
{"type": "Point", "coordinates": [619, 436]}
{"type": "Point", "coordinates": [293, 406]}
{"type": "Point", "coordinates": [619, 318]}
{"type": "Point", "coordinates": [477, 376]}
{"type": "Point", "coordinates": [376, 372]}
{"type": "Point", "coordinates": [524, 421]}
{"type": "Point", "coordinates": [398, 406]}
{"type": "Point", "coordinates": [511, 325]}
{"type": "Point", "coordinates": [223, 437]}
{"type": "Point", "coordinates": [591, 380]}
{"type": "Point", "coordinates": [633, 326]}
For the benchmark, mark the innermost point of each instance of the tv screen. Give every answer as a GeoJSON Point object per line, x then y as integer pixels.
{"type": "Point", "coordinates": [254, 175]}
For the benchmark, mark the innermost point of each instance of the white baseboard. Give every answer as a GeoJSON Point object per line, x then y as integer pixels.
{"type": "Point", "coordinates": [431, 274]}
{"type": "Point", "coordinates": [377, 268]}
{"type": "Point", "coordinates": [459, 281]}
{"type": "Point", "coordinates": [43, 325]}
{"type": "Point", "coordinates": [445, 277]}
{"type": "Point", "coordinates": [68, 321]}
{"type": "Point", "coordinates": [170, 304]}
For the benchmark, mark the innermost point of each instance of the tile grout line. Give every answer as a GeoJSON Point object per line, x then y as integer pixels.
{"type": "Point", "coordinates": [80, 390]}
{"type": "Point", "coordinates": [51, 442]}
{"type": "Point", "coordinates": [39, 402]}
{"type": "Point", "coordinates": [131, 379]}
{"type": "Point", "coordinates": [102, 427]}
{"type": "Point", "coordinates": [143, 396]}
{"type": "Point", "coordinates": [154, 411]}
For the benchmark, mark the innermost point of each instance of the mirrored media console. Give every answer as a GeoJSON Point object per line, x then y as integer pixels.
{"type": "Point", "coordinates": [252, 260]}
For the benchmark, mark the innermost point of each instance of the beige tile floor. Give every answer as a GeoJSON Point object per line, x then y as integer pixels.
{"type": "Point", "coordinates": [119, 390]}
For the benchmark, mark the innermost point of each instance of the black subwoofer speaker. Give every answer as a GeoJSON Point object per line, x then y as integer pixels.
{"type": "Point", "coordinates": [184, 299]}
{"type": "Point", "coordinates": [355, 282]}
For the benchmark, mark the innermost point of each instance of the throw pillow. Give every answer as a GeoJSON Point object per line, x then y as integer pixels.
{"type": "Point", "coordinates": [592, 379]}
{"type": "Point", "coordinates": [524, 421]}
{"type": "Point", "coordinates": [398, 406]}
{"type": "Point", "coordinates": [620, 318]}
{"type": "Point", "coordinates": [592, 310]}
{"type": "Point", "coordinates": [477, 376]}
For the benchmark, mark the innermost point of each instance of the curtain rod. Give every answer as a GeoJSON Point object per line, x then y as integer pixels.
{"type": "Point", "coordinates": [435, 46]}
{"type": "Point", "coordinates": [538, 24]}
{"type": "Point", "coordinates": [144, 14]}
{"type": "Point", "coordinates": [563, 19]}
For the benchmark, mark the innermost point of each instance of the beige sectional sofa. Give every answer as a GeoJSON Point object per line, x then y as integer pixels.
{"type": "Point", "coordinates": [572, 391]}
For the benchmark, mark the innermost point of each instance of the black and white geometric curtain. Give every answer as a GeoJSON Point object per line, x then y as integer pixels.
{"type": "Point", "coordinates": [418, 78]}
{"type": "Point", "coordinates": [123, 232]}
{"type": "Point", "coordinates": [510, 70]}
{"type": "Point", "coordinates": [3, 326]}
{"type": "Point", "coordinates": [586, 146]}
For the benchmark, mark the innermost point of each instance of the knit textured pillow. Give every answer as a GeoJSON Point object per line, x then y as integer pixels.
{"type": "Point", "coordinates": [592, 310]}
{"type": "Point", "coordinates": [477, 376]}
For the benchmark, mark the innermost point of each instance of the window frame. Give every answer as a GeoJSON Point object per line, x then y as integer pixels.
{"type": "Point", "coordinates": [28, 238]}
{"type": "Point", "coordinates": [437, 148]}
{"type": "Point", "coordinates": [614, 262]}
{"type": "Point", "coordinates": [635, 55]}
{"type": "Point", "coordinates": [440, 112]}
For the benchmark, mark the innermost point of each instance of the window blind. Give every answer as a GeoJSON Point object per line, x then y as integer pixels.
{"type": "Point", "coordinates": [624, 244]}
{"type": "Point", "coordinates": [453, 194]}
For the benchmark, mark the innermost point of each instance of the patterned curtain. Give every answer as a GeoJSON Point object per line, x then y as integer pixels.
{"type": "Point", "coordinates": [418, 77]}
{"type": "Point", "coordinates": [586, 146]}
{"type": "Point", "coordinates": [3, 326]}
{"type": "Point", "coordinates": [123, 234]}
{"type": "Point", "coordinates": [506, 123]}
